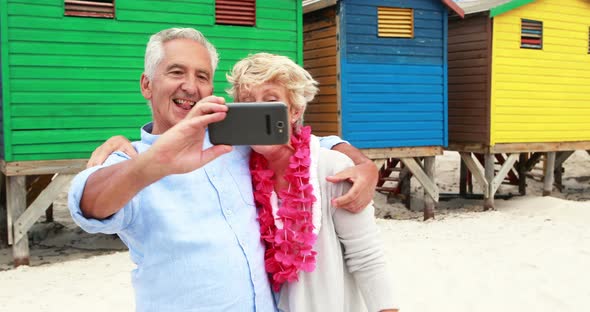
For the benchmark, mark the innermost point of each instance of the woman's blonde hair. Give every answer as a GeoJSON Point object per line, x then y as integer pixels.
{"type": "Point", "coordinates": [261, 68]}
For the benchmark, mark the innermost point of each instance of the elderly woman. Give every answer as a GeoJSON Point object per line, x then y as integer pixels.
{"type": "Point", "coordinates": [319, 258]}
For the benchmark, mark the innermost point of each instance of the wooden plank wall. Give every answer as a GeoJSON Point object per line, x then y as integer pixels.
{"type": "Point", "coordinates": [74, 81]}
{"type": "Point", "coordinates": [1, 107]}
{"type": "Point", "coordinates": [469, 79]}
{"type": "Point", "coordinates": [542, 95]}
{"type": "Point", "coordinates": [3, 67]}
{"type": "Point", "coordinates": [319, 58]}
{"type": "Point", "coordinates": [393, 89]}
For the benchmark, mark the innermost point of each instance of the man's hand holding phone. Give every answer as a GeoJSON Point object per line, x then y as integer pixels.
{"type": "Point", "coordinates": [254, 123]}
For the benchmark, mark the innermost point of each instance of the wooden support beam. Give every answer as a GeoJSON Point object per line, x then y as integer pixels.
{"type": "Point", "coordinates": [462, 178]}
{"type": "Point", "coordinates": [508, 164]}
{"type": "Point", "coordinates": [561, 157]}
{"type": "Point", "coordinates": [8, 211]}
{"type": "Point", "coordinates": [476, 172]}
{"type": "Point", "coordinates": [429, 202]}
{"type": "Point", "coordinates": [402, 152]}
{"type": "Point", "coordinates": [405, 186]}
{"type": "Point", "coordinates": [489, 169]}
{"type": "Point", "coordinates": [539, 147]}
{"type": "Point", "coordinates": [23, 168]}
{"type": "Point", "coordinates": [422, 177]}
{"type": "Point", "coordinates": [549, 170]}
{"type": "Point", "coordinates": [532, 161]}
{"type": "Point", "coordinates": [17, 197]}
{"type": "Point", "coordinates": [522, 174]}
{"type": "Point", "coordinates": [24, 222]}
{"type": "Point", "coordinates": [3, 213]}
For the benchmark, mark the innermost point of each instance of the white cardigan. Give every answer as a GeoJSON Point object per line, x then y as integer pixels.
{"type": "Point", "coordinates": [351, 264]}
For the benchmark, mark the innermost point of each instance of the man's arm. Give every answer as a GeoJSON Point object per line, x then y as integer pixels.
{"type": "Point", "coordinates": [178, 150]}
{"type": "Point", "coordinates": [109, 189]}
{"type": "Point", "coordinates": [363, 175]}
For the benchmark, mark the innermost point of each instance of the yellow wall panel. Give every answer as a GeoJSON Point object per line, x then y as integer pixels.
{"type": "Point", "coordinates": [542, 95]}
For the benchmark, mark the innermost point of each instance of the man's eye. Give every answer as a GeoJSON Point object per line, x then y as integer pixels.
{"type": "Point", "coordinates": [176, 72]}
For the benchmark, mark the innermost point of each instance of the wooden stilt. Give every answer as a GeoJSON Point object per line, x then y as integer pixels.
{"type": "Point", "coordinates": [549, 171]}
{"type": "Point", "coordinates": [522, 173]}
{"type": "Point", "coordinates": [16, 204]}
{"type": "Point", "coordinates": [532, 161]}
{"type": "Point", "coordinates": [429, 203]}
{"type": "Point", "coordinates": [560, 158]}
{"type": "Point", "coordinates": [421, 176]}
{"type": "Point", "coordinates": [37, 208]}
{"type": "Point", "coordinates": [489, 176]}
{"type": "Point", "coordinates": [463, 179]}
{"type": "Point", "coordinates": [419, 173]}
{"type": "Point", "coordinates": [3, 213]}
{"type": "Point", "coordinates": [476, 172]}
{"type": "Point", "coordinates": [405, 185]}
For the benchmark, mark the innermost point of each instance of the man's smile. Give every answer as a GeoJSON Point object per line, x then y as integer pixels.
{"type": "Point", "coordinates": [184, 104]}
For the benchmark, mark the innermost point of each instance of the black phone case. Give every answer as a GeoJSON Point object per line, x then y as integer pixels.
{"type": "Point", "coordinates": [256, 123]}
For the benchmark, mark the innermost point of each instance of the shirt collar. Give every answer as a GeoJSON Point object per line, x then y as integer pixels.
{"type": "Point", "coordinates": [146, 134]}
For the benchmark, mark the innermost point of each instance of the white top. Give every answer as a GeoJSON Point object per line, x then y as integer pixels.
{"type": "Point", "coordinates": [351, 265]}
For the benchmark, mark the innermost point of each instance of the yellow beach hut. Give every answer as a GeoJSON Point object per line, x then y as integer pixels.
{"type": "Point", "coordinates": [519, 82]}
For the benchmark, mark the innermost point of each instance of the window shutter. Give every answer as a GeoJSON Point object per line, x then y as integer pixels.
{"type": "Point", "coordinates": [531, 36]}
{"type": "Point", "coordinates": [235, 12]}
{"type": "Point", "coordinates": [395, 22]}
{"type": "Point", "coordinates": [105, 9]}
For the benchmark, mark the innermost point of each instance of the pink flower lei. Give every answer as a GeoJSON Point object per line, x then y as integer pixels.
{"type": "Point", "coordinates": [288, 250]}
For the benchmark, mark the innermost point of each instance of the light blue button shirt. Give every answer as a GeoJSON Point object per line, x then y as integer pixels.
{"type": "Point", "coordinates": [194, 237]}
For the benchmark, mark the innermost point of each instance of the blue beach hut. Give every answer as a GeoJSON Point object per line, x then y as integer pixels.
{"type": "Point", "coordinates": [382, 69]}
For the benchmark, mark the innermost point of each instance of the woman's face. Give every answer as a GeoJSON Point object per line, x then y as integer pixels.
{"type": "Point", "coordinates": [269, 92]}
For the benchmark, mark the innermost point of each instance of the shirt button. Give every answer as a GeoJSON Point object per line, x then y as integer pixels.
{"type": "Point", "coordinates": [228, 212]}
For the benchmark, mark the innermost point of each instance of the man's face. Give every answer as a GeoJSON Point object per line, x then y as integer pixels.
{"type": "Point", "coordinates": [182, 78]}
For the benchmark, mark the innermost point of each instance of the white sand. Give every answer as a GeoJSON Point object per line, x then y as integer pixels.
{"type": "Point", "coordinates": [530, 254]}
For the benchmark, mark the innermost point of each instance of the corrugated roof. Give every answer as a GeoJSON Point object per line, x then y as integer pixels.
{"type": "Point", "coordinates": [314, 5]}
{"type": "Point", "coordinates": [475, 6]}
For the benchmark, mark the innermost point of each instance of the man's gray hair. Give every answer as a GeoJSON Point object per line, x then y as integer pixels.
{"type": "Point", "coordinates": [154, 52]}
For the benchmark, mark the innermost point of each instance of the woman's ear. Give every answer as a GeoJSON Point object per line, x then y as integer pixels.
{"type": "Point", "coordinates": [295, 114]}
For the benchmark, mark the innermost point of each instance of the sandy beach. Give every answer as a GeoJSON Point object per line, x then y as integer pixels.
{"type": "Point", "coordinates": [530, 254]}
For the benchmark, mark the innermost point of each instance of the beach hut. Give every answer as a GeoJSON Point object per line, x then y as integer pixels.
{"type": "Point", "coordinates": [382, 69]}
{"type": "Point", "coordinates": [519, 82]}
{"type": "Point", "coordinates": [70, 72]}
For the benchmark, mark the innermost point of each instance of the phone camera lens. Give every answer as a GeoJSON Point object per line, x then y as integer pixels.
{"type": "Point", "coordinates": [280, 124]}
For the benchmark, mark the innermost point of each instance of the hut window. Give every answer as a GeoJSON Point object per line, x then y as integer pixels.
{"type": "Point", "coordinates": [235, 12]}
{"type": "Point", "coordinates": [97, 8]}
{"type": "Point", "coordinates": [531, 36]}
{"type": "Point", "coordinates": [395, 22]}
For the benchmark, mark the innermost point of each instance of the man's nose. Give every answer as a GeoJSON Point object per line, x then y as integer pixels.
{"type": "Point", "coordinates": [190, 86]}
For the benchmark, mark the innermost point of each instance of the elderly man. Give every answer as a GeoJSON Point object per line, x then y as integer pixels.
{"type": "Point", "coordinates": [184, 207]}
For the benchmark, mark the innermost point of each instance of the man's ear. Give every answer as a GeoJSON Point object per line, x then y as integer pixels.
{"type": "Point", "coordinates": [146, 87]}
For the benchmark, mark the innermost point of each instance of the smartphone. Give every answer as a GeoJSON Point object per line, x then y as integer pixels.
{"type": "Point", "coordinates": [254, 123]}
